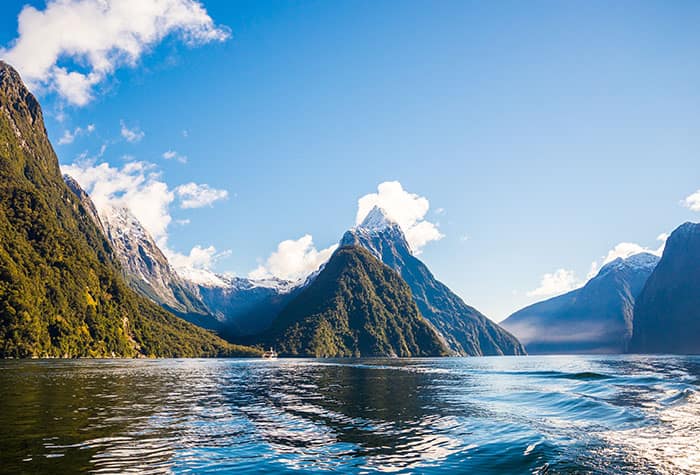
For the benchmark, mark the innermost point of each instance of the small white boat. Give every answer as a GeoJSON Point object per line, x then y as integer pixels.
{"type": "Point", "coordinates": [270, 354]}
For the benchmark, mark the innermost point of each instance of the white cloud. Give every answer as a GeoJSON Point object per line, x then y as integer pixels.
{"type": "Point", "coordinates": [556, 283]}
{"type": "Point", "coordinates": [173, 155]}
{"type": "Point", "coordinates": [131, 135]}
{"type": "Point", "coordinates": [407, 209]}
{"type": "Point", "coordinates": [193, 195]}
{"type": "Point", "coordinates": [136, 185]}
{"type": "Point", "coordinates": [199, 257]}
{"type": "Point", "coordinates": [97, 37]}
{"type": "Point", "coordinates": [692, 202]}
{"type": "Point", "coordinates": [66, 138]}
{"type": "Point", "coordinates": [69, 136]}
{"type": "Point", "coordinates": [293, 260]}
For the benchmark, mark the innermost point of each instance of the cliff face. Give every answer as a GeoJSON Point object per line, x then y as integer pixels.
{"type": "Point", "coordinates": [667, 312]}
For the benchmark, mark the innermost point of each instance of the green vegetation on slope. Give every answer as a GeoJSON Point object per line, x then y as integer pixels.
{"type": "Point", "coordinates": [356, 306]}
{"type": "Point", "coordinates": [61, 289]}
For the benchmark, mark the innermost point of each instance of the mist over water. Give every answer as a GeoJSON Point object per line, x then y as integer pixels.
{"type": "Point", "coordinates": [556, 414]}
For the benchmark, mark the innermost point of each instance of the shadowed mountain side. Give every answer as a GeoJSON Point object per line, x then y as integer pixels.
{"type": "Point", "coordinates": [597, 318]}
{"type": "Point", "coordinates": [667, 313]}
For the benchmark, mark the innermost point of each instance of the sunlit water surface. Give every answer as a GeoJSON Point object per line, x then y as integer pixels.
{"type": "Point", "coordinates": [450, 415]}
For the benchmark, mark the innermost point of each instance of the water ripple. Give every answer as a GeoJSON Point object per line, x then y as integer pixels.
{"type": "Point", "coordinates": [479, 415]}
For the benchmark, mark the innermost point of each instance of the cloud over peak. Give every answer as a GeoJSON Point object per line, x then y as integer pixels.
{"type": "Point", "coordinates": [73, 45]}
{"type": "Point", "coordinates": [558, 282]}
{"type": "Point", "coordinates": [408, 210]}
{"type": "Point", "coordinates": [136, 186]}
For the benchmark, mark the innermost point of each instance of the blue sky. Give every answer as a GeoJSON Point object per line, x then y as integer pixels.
{"type": "Point", "coordinates": [543, 134]}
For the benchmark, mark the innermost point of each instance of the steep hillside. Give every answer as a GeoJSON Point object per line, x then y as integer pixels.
{"type": "Point", "coordinates": [61, 289]}
{"type": "Point", "coordinates": [667, 312]}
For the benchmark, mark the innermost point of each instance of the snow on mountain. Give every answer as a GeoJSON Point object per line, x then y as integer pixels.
{"type": "Point", "coordinates": [203, 277]}
{"type": "Point", "coordinates": [377, 220]}
{"type": "Point", "coordinates": [643, 260]}
{"type": "Point", "coordinates": [145, 264]}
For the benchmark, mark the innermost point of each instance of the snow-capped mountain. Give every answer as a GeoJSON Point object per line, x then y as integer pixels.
{"type": "Point", "coordinates": [597, 318]}
{"type": "Point", "coordinates": [233, 306]}
{"type": "Point", "coordinates": [464, 329]}
{"type": "Point", "coordinates": [144, 264]}
{"type": "Point", "coordinates": [356, 306]}
{"type": "Point", "coordinates": [242, 306]}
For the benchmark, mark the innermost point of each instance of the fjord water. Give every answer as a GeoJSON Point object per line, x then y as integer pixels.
{"type": "Point", "coordinates": [559, 414]}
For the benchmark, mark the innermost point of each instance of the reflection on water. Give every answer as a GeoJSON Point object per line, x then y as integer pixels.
{"type": "Point", "coordinates": [479, 415]}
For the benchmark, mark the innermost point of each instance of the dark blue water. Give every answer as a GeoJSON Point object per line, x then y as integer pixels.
{"type": "Point", "coordinates": [450, 415]}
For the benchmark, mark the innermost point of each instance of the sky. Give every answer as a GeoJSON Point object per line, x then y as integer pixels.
{"type": "Point", "coordinates": [520, 145]}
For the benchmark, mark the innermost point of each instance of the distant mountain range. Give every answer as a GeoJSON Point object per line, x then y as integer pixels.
{"type": "Point", "coordinates": [597, 318]}
{"type": "Point", "coordinates": [250, 307]}
{"type": "Point", "coordinates": [667, 313]}
{"type": "Point", "coordinates": [641, 304]}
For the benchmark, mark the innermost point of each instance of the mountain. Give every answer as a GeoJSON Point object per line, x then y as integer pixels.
{"type": "Point", "coordinates": [356, 306]}
{"type": "Point", "coordinates": [231, 306]}
{"type": "Point", "coordinates": [597, 318]}
{"type": "Point", "coordinates": [242, 307]}
{"type": "Point", "coordinates": [463, 329]}
{"type": "Point", "coordinates": [146, 267]}
{"type": "Point", "coordinates": [667, 312]}
{"type": "Point", "coordinates": [61, 289]}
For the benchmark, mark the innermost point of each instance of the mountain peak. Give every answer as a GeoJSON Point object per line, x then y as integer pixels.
{"type": "Point", "coordinates": [377, 220]}
{"type": "Point", "coordinates": [8, 73]}
{"type": "Point", "coordinates": [22, 108]}
{"type": "Point", "coordinates": [687, 228]}
{"type": "Point", "coordinates": [122, 221]}
{"type": "Point", "coordinates": [642, 260]}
